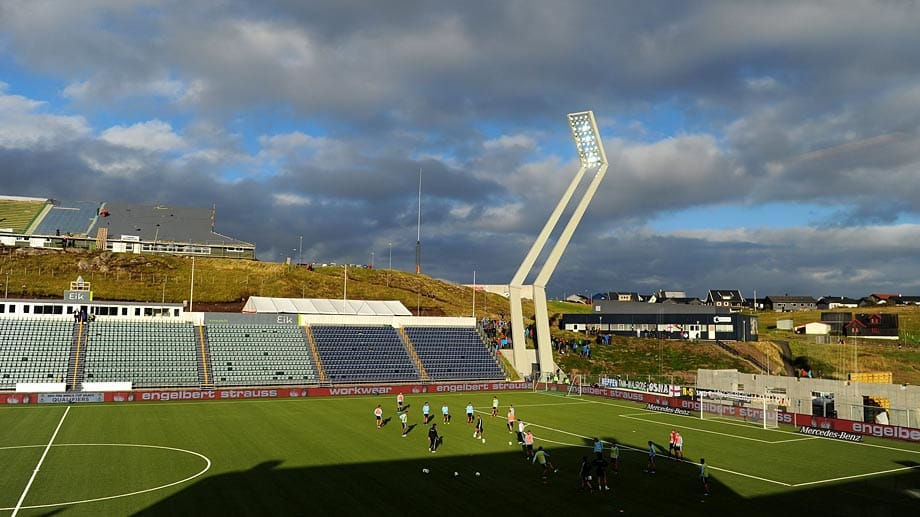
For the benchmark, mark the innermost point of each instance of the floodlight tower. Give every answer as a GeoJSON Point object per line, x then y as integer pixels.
{"type": "Point", "coordinates": [591, 154]}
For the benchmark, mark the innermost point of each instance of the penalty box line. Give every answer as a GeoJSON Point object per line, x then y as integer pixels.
{"type": "Point", "coordinates": [629, 448]}
{"type": "Point", "coordinates": [40, 461]}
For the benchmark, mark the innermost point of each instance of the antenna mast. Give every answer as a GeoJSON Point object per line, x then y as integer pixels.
{"type": "Point", "coordinates": [418, 239]}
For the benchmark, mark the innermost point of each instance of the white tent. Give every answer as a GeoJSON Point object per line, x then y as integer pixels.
{"type": "Point", "coordinates": [267, 305]}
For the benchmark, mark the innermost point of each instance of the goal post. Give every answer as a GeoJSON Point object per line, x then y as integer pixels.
{"type": "Point", "coordinates": [542, 382]}
{"type": "Point", "coordinates": [753, 410]}
{"type": "Point", "coordinates": [575, 386]}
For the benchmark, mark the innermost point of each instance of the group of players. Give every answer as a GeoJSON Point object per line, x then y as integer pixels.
{"type": "Point", "coordinates": [676, 452]}
{"type": "Point", "coordinates": [525, 438]}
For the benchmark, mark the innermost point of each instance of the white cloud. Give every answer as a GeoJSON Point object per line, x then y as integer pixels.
{"type": "Point", "coordinates": [122, 167]}
{"type": "Point", "coordinates": [153, 136]}
{"type": "Point", "coordinates": [763, 84]}
{"type": "Point", "coordinates": [288, 199]}
{"type": "Point", "coordinates": [104, 86]}
{"type": "Point", "coordinates": [510, 141]}
{"type": "Point", "coordinates": [22, 125]}
{"type": "Point", "coordinates": [878, 239]}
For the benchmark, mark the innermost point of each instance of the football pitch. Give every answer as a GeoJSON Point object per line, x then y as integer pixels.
{"type": "Point", "coordinates": [324, 456]}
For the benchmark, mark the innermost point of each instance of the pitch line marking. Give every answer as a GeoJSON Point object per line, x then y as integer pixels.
{"type": "Point", "coordinates": [40, 461]}
{"type": "Point", "coordinates": [781, 483]}
{"type": "Point", "coordinates": [128, 494]}
{"type": "Point", "coordinates": [671, 424]}
{"type": "Point", "coordinates": [855, 476]}
{"type": "Point", "coordinates": [626, 447]}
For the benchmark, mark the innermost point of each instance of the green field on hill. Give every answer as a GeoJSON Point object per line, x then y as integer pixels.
{"type": "Point", "coordinates": [225, 284]}
{"type": "Point", "coordinates": [324, 456]}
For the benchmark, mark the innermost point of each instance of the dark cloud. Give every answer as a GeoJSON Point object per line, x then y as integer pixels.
{"type": "Point", "coordinates": [299, 118]}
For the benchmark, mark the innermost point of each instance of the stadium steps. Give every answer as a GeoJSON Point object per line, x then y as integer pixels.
{"type": "Point", "coordinates": [413, 354]}
{"type": "Point", "coordinates": [75, 363]}
{"type": "Point", "coordinates": [786, 353]}
{"type": "Point", "coordinates": [205, 379]}
{"type": "Point", "coordinates": [317, 362]}
{"type": "Point", "coordinates": [33, 224]}
{"type": "Point", "coordinates": [502, 363]}
{"type": "Point", "coordinates": [731, 350]}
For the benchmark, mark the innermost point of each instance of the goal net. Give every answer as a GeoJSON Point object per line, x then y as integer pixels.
{"type": "Point", "coordinates": [754, 410]}
{"type": "Point", "coordinates": [542, 382]}
{"type": "Point", "coordinates": [575, 386]}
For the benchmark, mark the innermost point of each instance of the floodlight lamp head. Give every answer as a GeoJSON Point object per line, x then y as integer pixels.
{"type": "Point", "coordinates": [587, 139]}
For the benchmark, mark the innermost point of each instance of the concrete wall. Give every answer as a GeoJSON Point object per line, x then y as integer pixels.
{"type": "Point", "coordinates": [848, 396]}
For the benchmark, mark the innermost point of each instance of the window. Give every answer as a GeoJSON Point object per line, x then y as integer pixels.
{"type": "Point", "coordinates": [2, 308]}
{"type": "Point", "coordinates": [25, 309]}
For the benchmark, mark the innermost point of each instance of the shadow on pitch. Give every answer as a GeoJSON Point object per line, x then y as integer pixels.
{"type": "Point", "coordinates": [449, 481]}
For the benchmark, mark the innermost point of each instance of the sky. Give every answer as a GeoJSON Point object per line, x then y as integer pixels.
{"type": "Point", "coordinates": [753, 145]}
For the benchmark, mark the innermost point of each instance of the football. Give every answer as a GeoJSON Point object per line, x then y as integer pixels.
{"type": "Point", "coordinates": [477, 474]}
{"type": "Point", "coordinates": [456, 474]}
{"type": "Point", "coordinates": [425, 471]}
{"type": "Point", "coordinates": [509, 443]}
{"type": "Point", "coordinates": [483, 440]}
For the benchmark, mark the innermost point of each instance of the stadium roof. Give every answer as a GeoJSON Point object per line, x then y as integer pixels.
{"type": "Point", "coordinates": [262, 304]}
{"type": "Point", "coordinates": [163, 223]}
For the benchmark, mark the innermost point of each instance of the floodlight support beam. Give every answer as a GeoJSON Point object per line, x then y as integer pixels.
{"type": "Point", "coordinates": [591, 154]}
{"type": "Point", "coordinates": [518, 338]}
{"type": "Point", "coordinates": [544, 343]}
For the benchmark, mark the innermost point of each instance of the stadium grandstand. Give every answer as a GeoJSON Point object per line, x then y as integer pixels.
{"type": "Point", "coordinates": [118, 227]}
{"type": "Point", "coordinates": [80, 344]}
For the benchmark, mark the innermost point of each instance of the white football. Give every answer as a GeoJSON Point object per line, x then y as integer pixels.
{"type": "Point", "coordinates": [483, 440]}
{"type": "Point", "coordinates": [477, 474]}
{"type": "Point", "coordinates": [425, 471]}
{"type": "Point", "coordinates": [509, 443]}
{"type": "Point", "coordinates": [474, 434]}
{"type": "Point", "coordinates": [456, 473]}
{"type": "Point", "coordinates": [589, 478]}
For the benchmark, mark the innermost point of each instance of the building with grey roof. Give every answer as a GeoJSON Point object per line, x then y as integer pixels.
{"type": "Point", "coordinates": [127, 228]}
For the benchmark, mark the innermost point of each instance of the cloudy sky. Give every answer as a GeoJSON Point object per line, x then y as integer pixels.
{"type": "Point", "coordinates": [753, 145]}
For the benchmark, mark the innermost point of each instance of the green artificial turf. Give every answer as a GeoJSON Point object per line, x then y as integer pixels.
{"type": "Point", "coordinates": [324, 456]}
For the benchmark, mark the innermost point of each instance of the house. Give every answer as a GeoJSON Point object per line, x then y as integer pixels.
{"type": "Point", "coordinates": [837, 302]}
{"type": "Point", "coordinates": [908, 300]}
{"type": "Point", "coordinates": [683, 301]}
{"type": "Point", "coordinates": [837, 320]}
{"type": "Point", "coordinates": [878, 299]}
{"type": "Point", "coordinates": [873, 326]}
{"type": "Point", "coordinates": [819, 328]}
{"type": "Point", "coordinates": [727, 298]}
{"type": "Point", "coordinates": [619, 296]}
{"type": "Point", "coordinates": [663, 321]}
{"type": "Point", "coordinates": [664, 295]}
{"type": "Point", "coordinates": [788, 303]}
{"type": "Point", "coordinates": [578, 298]}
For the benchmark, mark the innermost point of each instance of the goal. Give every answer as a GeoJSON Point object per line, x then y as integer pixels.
{"type": "Point", "coordinates": [754, 410]}
{"type": "Point", "coordinates": [575, 386]}
{"type": "Point", "coordinates": [542, 382]}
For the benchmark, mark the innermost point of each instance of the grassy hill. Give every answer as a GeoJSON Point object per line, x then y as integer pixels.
{"type": "Point", "coordinates": [225, 285]}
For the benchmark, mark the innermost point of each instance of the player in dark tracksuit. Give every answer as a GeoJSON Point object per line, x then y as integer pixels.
{"type": "Point", "coordinates": [433, 438]}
